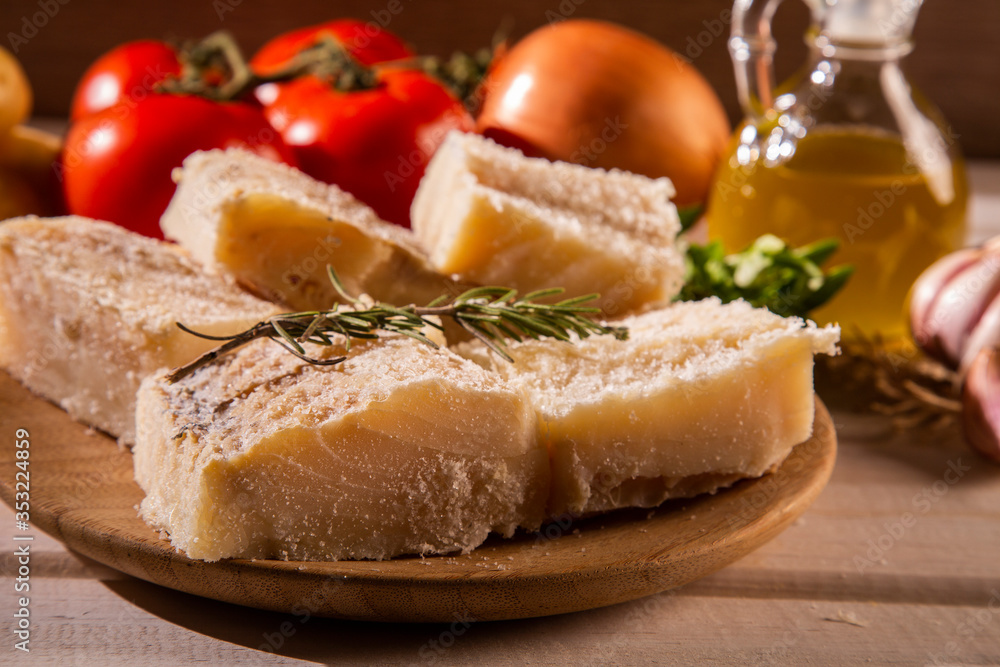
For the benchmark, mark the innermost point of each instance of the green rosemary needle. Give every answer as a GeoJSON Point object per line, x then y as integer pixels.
{"type": "Point", "coordinates": [491, 314]}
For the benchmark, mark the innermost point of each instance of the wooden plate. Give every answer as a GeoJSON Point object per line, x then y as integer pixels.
{"type": "Point", "coordinates": [82, 492]}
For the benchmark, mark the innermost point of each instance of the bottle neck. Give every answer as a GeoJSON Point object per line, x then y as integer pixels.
{"type": "Point", "coordinates": [824, 46]}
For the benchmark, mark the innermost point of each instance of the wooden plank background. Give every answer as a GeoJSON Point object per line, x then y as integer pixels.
{"type": "Point", "coordinates": [956, 61]}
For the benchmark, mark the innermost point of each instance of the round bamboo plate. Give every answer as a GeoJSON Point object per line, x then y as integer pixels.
{"type": "Point", "coordinates": [82, 492]}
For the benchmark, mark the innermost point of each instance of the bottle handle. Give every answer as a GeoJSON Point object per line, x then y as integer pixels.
{"type": "Point", "coordinates": [752, 49]}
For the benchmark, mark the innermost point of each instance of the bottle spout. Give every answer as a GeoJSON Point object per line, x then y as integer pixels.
{"type": "Point", "coordinates": [865, 22]}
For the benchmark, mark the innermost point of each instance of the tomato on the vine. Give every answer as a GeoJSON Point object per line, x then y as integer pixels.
{"type": "Point", "coordinates": [373, 143]}
{"type": "Point", "coordinates": [372, 136]}
{"type": "Point", "coordinates": [127, 136]}
{"type": "Point", "coordinates": [373, 140]}
{"type": "Point", "coordinates": [129, 71]}
{"type": "Point", "coordinates": [366, 42]}
{"type": "Point", "coordinates": [117, 163]}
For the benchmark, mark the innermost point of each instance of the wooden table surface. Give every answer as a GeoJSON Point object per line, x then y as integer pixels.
{"type": "Point", "coordinates": [897, 562]}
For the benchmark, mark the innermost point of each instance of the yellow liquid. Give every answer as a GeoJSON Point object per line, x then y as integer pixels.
{"type": "Point", "coordinates": [857, 187]}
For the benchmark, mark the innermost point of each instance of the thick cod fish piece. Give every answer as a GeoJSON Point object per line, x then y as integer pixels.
{"type": "Point", "coordinates": [700, 395]}
{"type": "Point", "coordinates": [275, 230]}
{"type": "Point", "coordinates": [400, 449]}
{"type": "Point", "coordinates": [88, 309]}
{"type": "Point", "coordinates": [492, 216]}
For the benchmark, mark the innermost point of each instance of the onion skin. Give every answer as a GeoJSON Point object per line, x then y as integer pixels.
{"type": "Point", "coordinates": [981, 404]}
{"type": "Point", "coordinates": [598, 94]}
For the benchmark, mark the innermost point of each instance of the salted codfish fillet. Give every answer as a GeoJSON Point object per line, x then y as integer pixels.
{"type": "Point", "coordinates": [700, 395]}
{"type": "Point", "coordinates": [88, 309]}
{"type": "Point", "coordinates": [401, 449]}
{"type": "Point", "coordinates": [495, 217]}
{"type": "Point", "coordinates": [275, 230]}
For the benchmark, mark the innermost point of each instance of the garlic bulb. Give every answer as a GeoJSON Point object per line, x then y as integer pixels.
{"type": "Point", "coordinates": [981, 403]}
{"type": "Point", "coordinates": [955, 318]}
{"type": "Point", "coordinates": [955, 305]}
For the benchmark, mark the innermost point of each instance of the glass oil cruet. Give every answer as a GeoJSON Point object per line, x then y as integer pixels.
{"type": "Point", "coordinates": [845, 149]}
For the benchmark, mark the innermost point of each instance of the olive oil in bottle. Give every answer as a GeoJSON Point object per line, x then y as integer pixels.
{"type": "Point", "coordinates": [862, 188]}
{"type": "Point", "coordinates": [845, 149]}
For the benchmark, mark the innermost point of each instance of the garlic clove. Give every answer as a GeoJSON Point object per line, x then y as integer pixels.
{"type": "Point", "coordinates": [981, 404]}
{"type": "Point", "coordinates": [928, 289]}
{"type": "Point", "coordinates": [985, 334]}
{"type": "Point", "coordinates": [962, 302]}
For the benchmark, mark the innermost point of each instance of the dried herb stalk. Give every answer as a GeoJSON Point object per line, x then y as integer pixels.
{"type": "Point", "coordinates": [491, 314]}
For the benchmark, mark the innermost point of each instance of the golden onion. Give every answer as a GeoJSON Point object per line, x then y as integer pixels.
{"type": "Point", "coordinates": [598, 94]}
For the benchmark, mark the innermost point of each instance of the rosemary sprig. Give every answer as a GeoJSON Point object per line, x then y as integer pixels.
{"type": "Point", "coordinates": [491, 314]}
{"type": "Point", "coordinates": [769, 274]}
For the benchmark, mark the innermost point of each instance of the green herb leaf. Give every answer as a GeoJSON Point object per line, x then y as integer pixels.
{"type": "Point", "coordinates": [689, 215]}
{"type": "Point", "coordinates": [768, 274]}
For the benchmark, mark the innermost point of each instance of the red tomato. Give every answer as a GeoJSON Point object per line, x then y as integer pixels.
{"type": "Point", "coordinates": [373, 143]}
{"type": "Point", "coordinates": [116, 163]}
{"type": "Point", "coordinates": [366, 42]}
{"type": "Point", "coordinates": [128, 71]}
